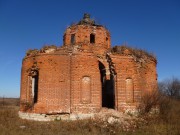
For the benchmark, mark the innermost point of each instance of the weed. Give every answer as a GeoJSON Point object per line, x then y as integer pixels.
{"type": "Point", "coordinates": [164, 123]}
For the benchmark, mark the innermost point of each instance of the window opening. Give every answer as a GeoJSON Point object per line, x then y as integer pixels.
{"type": "Point", "coordinates": [72, 38]}
{"type": "Point", "coordinates": [64, 39]}
{"type": "Point", "coordinates": [92, 38]}
{"type": "Point", "coordinates": [107, 40]}
{"type": "Point", "coordinates": [35, 79]}
{"type": "Point", "coordinates": [108, 94]}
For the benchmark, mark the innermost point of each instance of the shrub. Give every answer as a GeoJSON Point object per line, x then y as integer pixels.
{"type": "Point", "coordinates": [32, 52]}
{"type": "Point", "coordinates": [137, 53]}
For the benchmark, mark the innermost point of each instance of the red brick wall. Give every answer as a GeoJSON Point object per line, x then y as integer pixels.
{"type": "Point", "coordinates": [57, 75]}
{"type": "Point", "coordinates": [85, 64]}
{"type": "Point", "coordinates": [144, 78]}
{"type": "Point", "coordinates": [62, 88]}
{"type": "Point", "coordinates": [54, 83]}
{"type": "Point", "coordinates": [82, 34]}
{"type": "Point", "coordinates": [71, 83]}
{"type": "Point", "coordinates": [151, 76]}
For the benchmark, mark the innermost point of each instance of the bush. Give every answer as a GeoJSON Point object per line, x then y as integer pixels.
{"type": "Point", "coordinates": [32, 52]}
{"type": "Point", "coordinates": [137, 53]}
{"type": "Point", "coordinates": [150, 101]}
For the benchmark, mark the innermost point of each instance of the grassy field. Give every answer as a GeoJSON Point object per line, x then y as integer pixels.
{"type": "Point", "coordinates": [167, 123]}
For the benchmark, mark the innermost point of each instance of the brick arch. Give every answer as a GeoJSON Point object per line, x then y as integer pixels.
{"type": "Point", "coordinates": [106, 66]}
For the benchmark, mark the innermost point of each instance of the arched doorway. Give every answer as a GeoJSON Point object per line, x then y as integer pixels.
{"type": "Point", "coordinates": [108, 94]}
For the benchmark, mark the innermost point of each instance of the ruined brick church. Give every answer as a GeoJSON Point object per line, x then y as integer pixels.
{"type": "Point", "coordinates": [84, 75]}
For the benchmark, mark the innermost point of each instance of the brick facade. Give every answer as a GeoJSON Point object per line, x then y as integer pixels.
{"type": "Point", "coordinates": [85, 74]}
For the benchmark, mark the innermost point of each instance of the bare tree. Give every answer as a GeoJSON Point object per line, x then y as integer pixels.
{"type": "Point", "coordinates": [170, 87]}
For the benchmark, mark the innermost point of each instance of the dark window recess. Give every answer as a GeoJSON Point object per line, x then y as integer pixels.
{"type": "Point", "coordinates": [92, 38]}
{"type": "Point", "coordinates": [64, 38]}
{"type": "Point", "coordinates": [106, 39]}
{"type": "Point", "coordinates": [108, 96]}
{"type": "Point", "coordinates": [72, 38]}
{"type": "Point", "coordinates": [35, 87]}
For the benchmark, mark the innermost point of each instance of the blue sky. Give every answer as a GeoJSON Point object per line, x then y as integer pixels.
{"type": "Point", "coordinates": [153, 25]}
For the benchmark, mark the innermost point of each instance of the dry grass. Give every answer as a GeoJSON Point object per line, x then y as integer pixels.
{"type": "Point", "coordinates": [137, 53]}
{"type": "Point", "coordinates": [9, 101]}
{"type": "Point", "coordinates": [10, 124]}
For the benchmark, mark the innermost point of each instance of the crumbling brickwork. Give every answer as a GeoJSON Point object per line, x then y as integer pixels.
{"type": "Point", "coordinates": [85, 74]}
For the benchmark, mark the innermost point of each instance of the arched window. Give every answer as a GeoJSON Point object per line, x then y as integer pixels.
{"type": "Point", "coordinates": [92, 38]}
{"type": "Point", "coordinates": [64, 39]}
{"type": "Point", "coordinates": [72, 38]}
{"type": "Point", "coordinates": [129, 90]}
{"type": "Point", "coordinates": [86, 89]}
{"type": "Point", "coordinates": [34, 85]}
{"type": "Point", "coordinates": [107, 41]}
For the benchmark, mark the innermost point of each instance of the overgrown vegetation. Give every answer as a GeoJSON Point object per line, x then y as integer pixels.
{"type": "Point", "coordinates": [33, 52]}
{"type": "Point", "coordinates": [166, 122]}
{"type": "Point", "coordinates": [26, 105]}
{"type": "Point", "coordinates": [137, 53]}
{"type": "Point", "coordinates": [150, 102]}
{"type": "Point", "coordinates": [167, 100]}
{"type": "Point", "coordinates": [11, 124]}
{"type": "Point", "coordinates": [161, 97]}
{"type": "Point", "coordinates": [46, 47]}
